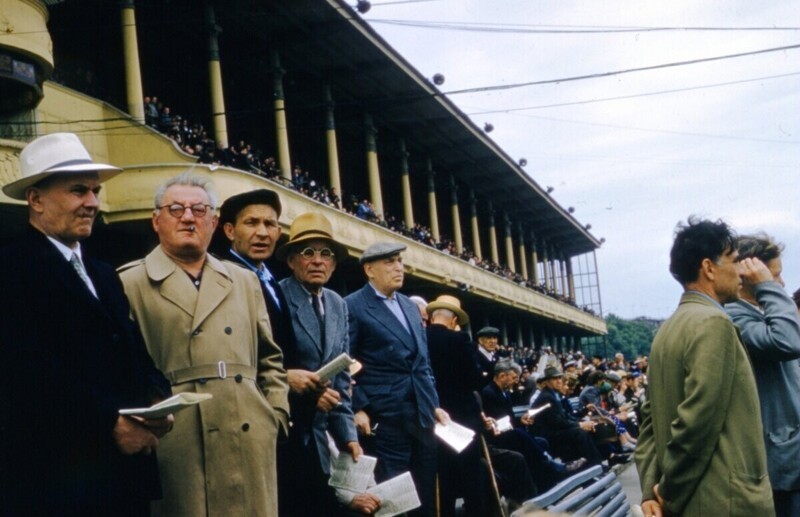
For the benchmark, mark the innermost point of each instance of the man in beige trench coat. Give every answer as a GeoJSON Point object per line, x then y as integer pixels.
{"type": "Point", "coordinates": [206, 326]}
{"type": "Point", "coordinates": [701, 448]}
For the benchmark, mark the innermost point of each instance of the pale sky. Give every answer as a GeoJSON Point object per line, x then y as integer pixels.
{"type": "Point", "coordinates": [632, 167]}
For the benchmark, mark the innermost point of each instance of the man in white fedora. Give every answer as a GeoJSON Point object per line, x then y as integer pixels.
{"type": "Point", "coordinates": [72, 356]}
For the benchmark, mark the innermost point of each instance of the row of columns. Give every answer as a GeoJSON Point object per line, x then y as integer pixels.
{"type": "Point", "coordinates": [532, 335]}
{"type": "Point", "coordinates": [557, 272]}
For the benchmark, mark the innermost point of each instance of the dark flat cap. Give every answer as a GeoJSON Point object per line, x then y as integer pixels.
{"type": "Point", "coordinates": [488, 331]}
{"type": "Point", "coordinates": [381, 250]}
{"type": "Point", "coordinates": [233, 205]}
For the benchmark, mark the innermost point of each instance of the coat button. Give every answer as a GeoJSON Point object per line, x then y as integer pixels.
{"type": "Point", "coordinates": [245, 427]}
{"type": "Point", "coordinates": [202, 380]}
{"type": "Point", "coordinates": [228, 330]}
{"type": "Point", "coordinates": [238, 377]}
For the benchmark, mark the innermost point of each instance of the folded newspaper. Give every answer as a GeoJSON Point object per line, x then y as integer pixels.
{"type": "Point", "coordinates": [171, 405]}
{"type": "Point", "coordinates": [455, 435]}
{"type": "Point", "coordinates": [337, 365]}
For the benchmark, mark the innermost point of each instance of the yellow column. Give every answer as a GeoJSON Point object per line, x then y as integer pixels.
{"type": "Point", "coordinates": [509, 245]}
{"type": "Point", "coordinates": [493, 236]}
{"type": "Point", "coordinates": [281, 132]}
{"type": "Point", "coordinates": [215, 79]}
{"type": "Point", "coordinates": [545, 266]}
{"type": "Point", "coordinates": [553, 276]}
{"type": "Point", "coordinates": [405, 184]}
{"type": "Point", "coordinates": [534, 261]}
{"type": "Point", "coordinates": [570, 279]}
{"type": "Point", "coordinates": [473, 216]}
{"type": "Point", "coordinates": [564, 282]}
{"type": "Point", "coordinates": [133, 74]}
{"type": "Point", "coordinates": [523, 258]}
{"type": "Point", "coordinates": [372, 166]}
{"type": "Point", "coordinates": [456, 219]}
{"type": "Point", "coordinates": [330, 138]}
{"type": "Point", "coordinates": [432, 202]}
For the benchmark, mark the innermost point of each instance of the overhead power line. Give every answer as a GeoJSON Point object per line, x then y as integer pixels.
{"type": "Point", "coordinates": [620, 72]}
{"type": "Point", "coordinates": [560, 29]}
{"type": "Point", "coordinates": [635, 95]}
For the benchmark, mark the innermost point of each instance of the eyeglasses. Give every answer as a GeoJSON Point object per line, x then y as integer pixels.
{"type": "Point", "coordinates": [177, 210]}
{"type": "Point", "coordinates": [324, 253]}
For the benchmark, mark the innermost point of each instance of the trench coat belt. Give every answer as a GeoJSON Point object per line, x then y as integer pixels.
{"type": "Point", "coordinates": [220, 370]}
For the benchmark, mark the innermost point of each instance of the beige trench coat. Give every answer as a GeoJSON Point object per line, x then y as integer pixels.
{"type": "Point", "coordinates": [220, 457]}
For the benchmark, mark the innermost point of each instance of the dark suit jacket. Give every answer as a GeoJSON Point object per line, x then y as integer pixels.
{"type": "Point", "coordinates": [457, 375]}
{"type": "Point", "coordinates": [553, 420]}
{"type": "Point", "coordinates": [310, 355]}
{"type": "Point", "coordinates": [485, 365]}
{"type": "Point", "coordinates": [70, 362]}
{"type": "Point", "coordinates": [279, 318]}
{"type": "Point", "coordinates": [396, 382]}
{"type": "Point", "coordinates": [495, 404]}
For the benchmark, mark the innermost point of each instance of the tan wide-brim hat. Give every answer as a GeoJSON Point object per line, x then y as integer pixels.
{"type": "Point", "coordinates": [451, 303]}
{"type": "Point", "coordinates": [53, 154]}
{"type": "Point", "coordinates": [307, 227]}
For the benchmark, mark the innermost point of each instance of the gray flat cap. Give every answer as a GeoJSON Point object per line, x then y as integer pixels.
{"type": "Point", "coordinates": [488, 331]}
{"type": "Point", "coordinates": [381, 250]}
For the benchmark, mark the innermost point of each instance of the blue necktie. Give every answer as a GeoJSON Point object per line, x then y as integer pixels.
{"type": "Point", "coordinates": [269, 282]}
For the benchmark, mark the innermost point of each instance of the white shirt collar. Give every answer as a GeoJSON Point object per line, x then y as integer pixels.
{"type": "Point", "coordinates": [66, 250]}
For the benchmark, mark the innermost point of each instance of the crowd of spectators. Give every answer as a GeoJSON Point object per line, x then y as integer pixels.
{"type": "Point", "coordinates": [193, 138]}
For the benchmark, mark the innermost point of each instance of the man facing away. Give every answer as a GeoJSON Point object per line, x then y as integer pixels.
{"type": "Point", "coordinates": [319, 317]}
{"type": "Point", "coordinates": [206, 326]}
{"type": "Point", "coordinates": [701, 449]}
{"type": "Point", "coordinates": [395, 394]}
{"type": "Point", "coordinates": [72, 357]}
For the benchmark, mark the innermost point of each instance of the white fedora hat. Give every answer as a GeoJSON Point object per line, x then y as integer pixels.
{"type": "Point", "coordinates": [51, 154]}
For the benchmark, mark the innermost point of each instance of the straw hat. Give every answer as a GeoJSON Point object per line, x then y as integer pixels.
{"type": "Point", "coordinates": [51, 154]}
{"type": "Point", "coordinates": [451, 303]}
{"type": "Point", "coordinates": [307, 227]}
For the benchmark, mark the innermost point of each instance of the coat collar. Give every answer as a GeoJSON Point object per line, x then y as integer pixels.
{"type": "Point", "coordinates": [299, 299]}
{"type": "Point", "coordinates": [177, 287]}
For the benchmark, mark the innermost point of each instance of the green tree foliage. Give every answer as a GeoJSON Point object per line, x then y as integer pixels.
{"type": "Point", "coordinates": [631, 337]}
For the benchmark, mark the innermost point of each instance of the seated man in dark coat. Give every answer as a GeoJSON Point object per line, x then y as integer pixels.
{"type": "Point", "coordinates": [496, 405]}
{"type": "Point", "coordinates": [568, 437]}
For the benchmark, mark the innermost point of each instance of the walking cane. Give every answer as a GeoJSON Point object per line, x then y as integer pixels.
{"type": "Point", "coordinates": [500, 510]}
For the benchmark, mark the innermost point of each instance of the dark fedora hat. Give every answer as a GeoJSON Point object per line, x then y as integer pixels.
{"type": "Point", "coordinates": [551, 372]}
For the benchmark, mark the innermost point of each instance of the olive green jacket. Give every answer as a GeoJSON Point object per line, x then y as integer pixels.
{"type": "Point", "coordinates": [701, 436]}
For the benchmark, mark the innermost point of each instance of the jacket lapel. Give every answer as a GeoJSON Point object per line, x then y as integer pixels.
{"type": "Point", "coordinates": [297, 297]}
{"type": "Point", "coordinates": [332, 318]}
{"type": "Point", "coordinates": [214, 288]}
{"type": "Point", "coordinates": [385, 317]}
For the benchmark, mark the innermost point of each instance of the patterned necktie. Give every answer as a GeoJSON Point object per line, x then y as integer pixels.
{"type": "Point", "coordinates": [271, 285]}
{"type": "Point", "coordinates": [316, 303]}
{"type": "Point", "coordinates": [78, 266]}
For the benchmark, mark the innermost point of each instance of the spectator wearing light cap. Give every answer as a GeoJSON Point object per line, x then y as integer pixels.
{"type": "Point", "coordinates": [396, 389]}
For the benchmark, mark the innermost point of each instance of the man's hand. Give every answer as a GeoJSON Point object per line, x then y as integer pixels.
{"type": "Point", "coordinates": [526, 419]}
{"type": "Point", "coordinates": [658, 495]}
{"type": "Point", "coordinates": [354, 449]}
{"type": "Point", "coordinates": [753, 271]}
{"type": "Point", "coordinates": [328, 400]}
{"type": "Point", "coordinates": [651, 508]}
{"type": "Point", "coordinates": [159, 426]}
{"type": "Point", "coordinates": [365, 503]}
{"type": "Point", "coordinates": [361, 420]}
{"type": "Point", "coordinates": [441, 416]}
{"type": "Point", "coordinates": [587, 425]}
{"type": "Point", "coordinates": [303, 381]}
{"type": "Point", "coordinates": [133, 437]}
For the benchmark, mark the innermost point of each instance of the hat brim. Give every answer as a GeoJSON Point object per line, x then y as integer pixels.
{"type": "Point", "coordinates": [463, 319]}
{"type": "Point", "coordinates": [16, 189]}
{"type": "Point", "coordinates": [340, 250]}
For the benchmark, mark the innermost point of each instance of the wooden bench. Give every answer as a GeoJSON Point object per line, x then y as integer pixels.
{"type": "Point", "coordinates": [591, 492]}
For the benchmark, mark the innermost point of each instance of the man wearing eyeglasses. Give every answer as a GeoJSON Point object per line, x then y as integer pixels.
{"type": "Point", "coordinates": [206, 326]}
{"type": "Point", "coordinates": [319, 318]}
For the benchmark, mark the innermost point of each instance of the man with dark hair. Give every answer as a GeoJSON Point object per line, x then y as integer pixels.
{"type": "Point", "coordinates": [768, 320]}
{"type": "Point", "coordinates": [701, 448]}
